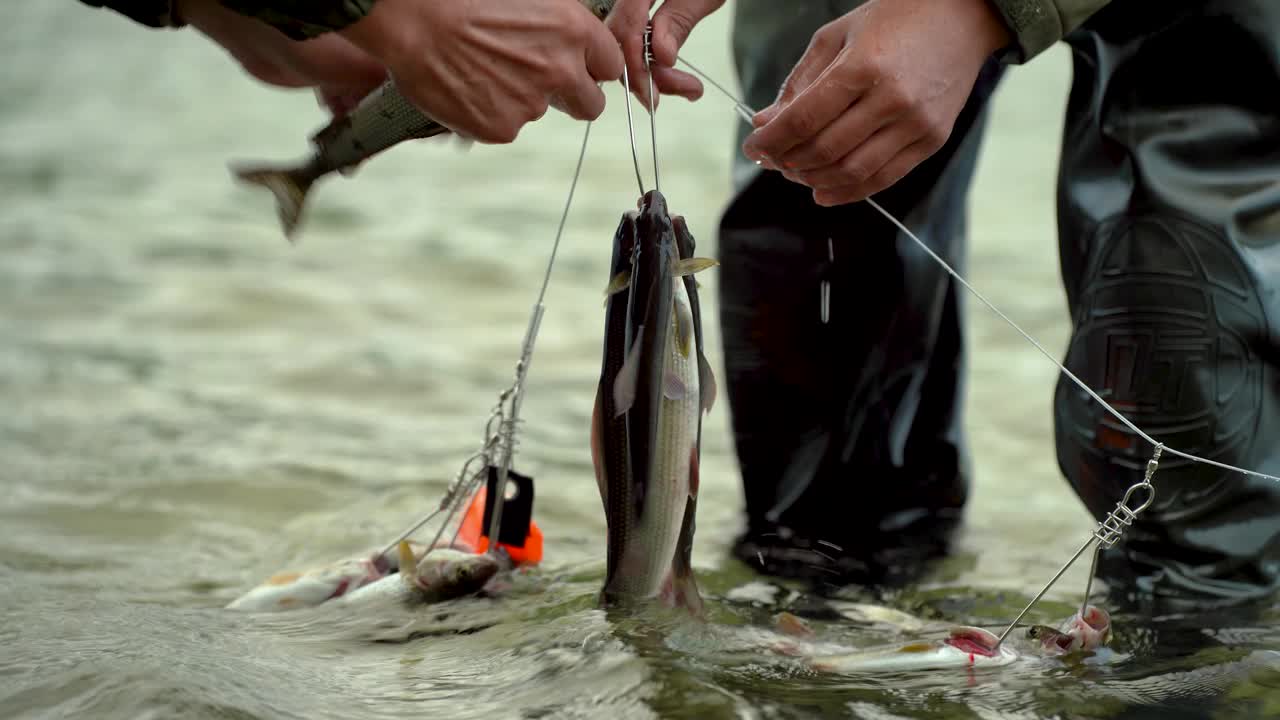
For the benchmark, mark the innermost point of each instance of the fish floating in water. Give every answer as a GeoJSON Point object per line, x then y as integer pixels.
{"type": "Point", "coordinates": [443, 574]}
{"type": "Point", "coordinates": [411, 575]}
{"type": "Point", "coordinates": [970, 647]}
{"type": "Point", "coordinates": [381, 120]}
{"type": "Point", "coordinates": [646, 425]}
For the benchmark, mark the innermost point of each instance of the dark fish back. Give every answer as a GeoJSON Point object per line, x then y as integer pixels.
{"type": "Point", "coordinates": [383, 119]}
{"type": "Point", "coordinates": [649, 322]}
{"type": "Point", "coordinates": [613, 435]}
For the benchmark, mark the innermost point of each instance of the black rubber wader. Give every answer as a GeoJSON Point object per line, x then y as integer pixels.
{"type": "Point", "coordinates": [849, 434]}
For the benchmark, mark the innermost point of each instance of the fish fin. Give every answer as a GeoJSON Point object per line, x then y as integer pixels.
{"type": "Point", "coordinates": [284, 578]}
{"type": "Point", "coordinates": [683, 318]}
{"type": "Point", "coordinates": [290, 188]}
{"type": "Point", "coordinates": [694, 472]}
{"type": "Point", "coordinates": [789, 624]}
{"type": "Point", "coordinates": [673, 388]}
{"type": "Point", "coordinates": [618, 283]}
{"type": "Point", "coordinates": [624, 387]}
{"type": "Point", "coordinates": [706, 383]}
{"type": "Point", "coordinates": [408, 563]}
{"type": "Point", "coordinates": [684, 588]}
{"type": "Point", "coordinates": [690, 266]}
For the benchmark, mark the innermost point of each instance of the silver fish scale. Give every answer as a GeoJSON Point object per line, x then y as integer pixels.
{"type": "Point", "coordinates": [383, 119]}
{"type": "Point", "coordinates": [651, 543]}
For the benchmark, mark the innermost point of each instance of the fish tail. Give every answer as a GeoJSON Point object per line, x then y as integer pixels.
{"type": "Point", "coordinates": [290, 187]}
{"type": "Point", "coordinates": [683, 585]}
{"type": "Point", "coordinates": [686, 591]}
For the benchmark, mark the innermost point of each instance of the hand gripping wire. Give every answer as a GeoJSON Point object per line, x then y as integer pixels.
{"type": "Point", "coordinates": [1105, 534]}
{"type": "Point", "coordinates": [501, 430]}
{"type": "Point", "coordinates": [747, 113]}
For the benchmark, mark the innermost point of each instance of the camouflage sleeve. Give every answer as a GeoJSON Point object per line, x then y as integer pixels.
{"type": "Point", "coordinates": [302, 19]}
{"type": "Point", "coordinates": [152, 13]}
{"type": "Point", "coordinates": [1038, 24]}
{"type": "Point", "coordinates": [299, 19]}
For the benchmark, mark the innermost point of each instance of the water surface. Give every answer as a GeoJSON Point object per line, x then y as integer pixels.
{"type": "Point", "coordinates": [188, 404]}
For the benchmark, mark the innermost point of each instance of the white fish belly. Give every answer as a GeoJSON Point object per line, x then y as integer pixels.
{"type": "Point", "coordinates": [392, 588]}
{"type": "Point", "coordinates": [939, 656]}
{"type": "Point", "coordinates": [289, 591]}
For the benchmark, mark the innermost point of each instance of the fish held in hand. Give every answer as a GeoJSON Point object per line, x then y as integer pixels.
{"type": "Point", "coordinates": [655, 383]}
{"type": "Point", "coordinates": [383, 119]}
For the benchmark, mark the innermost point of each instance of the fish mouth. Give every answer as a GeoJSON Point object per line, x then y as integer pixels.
{"type": "Point", "coordinates": [1082, 632]}
{"type": "Point", "coordinates": [974, 641]}
{"type": "Point", "coordinates": [1059, 643]}
{"type": "Point", "coordinates": [1092, 629]}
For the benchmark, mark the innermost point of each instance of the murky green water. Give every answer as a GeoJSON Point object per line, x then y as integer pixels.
{"type": "Point", "coordinates": [188, 404]}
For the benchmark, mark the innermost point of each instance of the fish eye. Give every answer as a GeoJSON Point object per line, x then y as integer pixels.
{"type": "Point", "coordinates": [1033, 632]}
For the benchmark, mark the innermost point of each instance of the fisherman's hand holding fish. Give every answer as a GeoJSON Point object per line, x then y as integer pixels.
{"type": "Point", "coordinates": [480, 69]}
{"type": "Point", "coordinates": [876, 93]}
{"type": "Point", "coordinates": [484, 69]}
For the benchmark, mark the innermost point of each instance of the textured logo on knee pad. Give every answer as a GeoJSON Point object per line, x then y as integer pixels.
{"type": "Point", "coordinates": [1166, 317]}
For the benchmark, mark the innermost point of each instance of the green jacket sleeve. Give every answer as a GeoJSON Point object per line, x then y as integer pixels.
{"type": "Point", "coordinates": [302, 19]}
{"type": "Point", "coordinates": [299, 19]}
{"type": "Point", "coordinates": [152, 13]}
{"type": "Point", "coordinates": [1037, 24]}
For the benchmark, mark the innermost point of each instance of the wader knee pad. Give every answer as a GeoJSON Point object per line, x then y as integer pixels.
{"type": "Point", "coordinates": [1170, 329]}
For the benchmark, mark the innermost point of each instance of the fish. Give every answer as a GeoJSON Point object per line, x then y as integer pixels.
{"type": "Point", "coordinates": [291, 590]}
{"type": "Point", "coordinates": [442, 574]}
{"type": "Point", "coordinates": [971, 647]}
{"type": "Point", "coordinates": [655, 384]}
{"type": "Point", "coordinates": [1089, 631]}
{"type": "Point", "coordinates": [382, 120]}
{"type": "Point", "coordinates": [878, 615]}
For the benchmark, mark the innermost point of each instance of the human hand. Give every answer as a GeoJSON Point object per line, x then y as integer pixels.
{"type": "Point", "coordinates": [672, 23]}
{"type": "Point", "coordinates": [484, 68]}
{"type": "Point", "coordinates": [338, 70]}
{"type": "Point", "coordinates": [876, 93]}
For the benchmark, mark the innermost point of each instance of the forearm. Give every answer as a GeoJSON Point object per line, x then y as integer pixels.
{"type": "Point", "coordinates": [298, 19]}
{"type": "Point", "coordinates": [1038, 24]}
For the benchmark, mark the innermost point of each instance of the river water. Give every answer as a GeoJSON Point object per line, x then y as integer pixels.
{"type": "Point", "coordinates": [189, 405]}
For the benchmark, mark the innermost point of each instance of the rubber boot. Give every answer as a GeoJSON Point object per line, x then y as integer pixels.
{"type": "Point", "coordinates": [1169, 215]}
